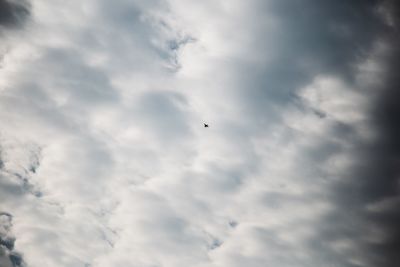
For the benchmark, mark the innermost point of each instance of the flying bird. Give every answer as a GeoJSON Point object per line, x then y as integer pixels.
{"type": "Point", "coordinates": [205, 125]}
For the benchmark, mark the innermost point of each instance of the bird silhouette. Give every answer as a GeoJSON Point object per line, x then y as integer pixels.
{"type": "Point", "coordinates": [205, 125]}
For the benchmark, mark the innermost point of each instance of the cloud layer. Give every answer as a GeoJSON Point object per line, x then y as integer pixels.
{"type": "Point", "coordinates": [105, 160]}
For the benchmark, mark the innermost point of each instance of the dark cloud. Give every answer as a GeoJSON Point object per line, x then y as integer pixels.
{"type": "Point", "coordinates": [378, 177]}
{"type": "Point", "coordinates": [13, 12]}
{"type": "Point", "coordinates": [368, 194]}
{"type": "Point", "coordinates": [8, 257]}
{"type": "Point", "coordinates": [332, 38]}
{"type": "Point", "coordinates": [310, 38]}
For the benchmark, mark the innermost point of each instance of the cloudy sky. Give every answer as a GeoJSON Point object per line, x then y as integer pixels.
{"type": "Point", "coordinates": [104, 159]}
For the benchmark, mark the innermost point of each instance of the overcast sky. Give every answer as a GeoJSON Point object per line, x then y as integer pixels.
{"type": "Point", "coordinates": [104, 159]}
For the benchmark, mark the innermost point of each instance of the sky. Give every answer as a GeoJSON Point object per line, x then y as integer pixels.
{"type": "Point", "coordinates": [105, 161]}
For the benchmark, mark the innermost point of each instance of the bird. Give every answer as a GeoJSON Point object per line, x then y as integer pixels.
{"type": "Point", "coordinates": [205, 125]}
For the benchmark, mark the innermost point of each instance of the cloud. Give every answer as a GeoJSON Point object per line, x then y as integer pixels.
{"type": "Point", "coordinates": [13, 12]}
{"type": "Point", "coordinates": [374, 179]}
{"type": "Point", "coordinates": [8, 256]}
{"type": "Point", "coordinates": [105, 160]}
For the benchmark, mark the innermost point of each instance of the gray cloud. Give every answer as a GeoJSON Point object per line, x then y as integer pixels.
{"type": "Point", "coordinates": [365, 220]}
{"type": "Point", "coordinates": [371, 188]}
{"type": "Point", "coordinates": [8, 256]}
{"type": "Point", "coordinates": [13, 12]}
{"type": "Point", "coordinates": [308, 39]}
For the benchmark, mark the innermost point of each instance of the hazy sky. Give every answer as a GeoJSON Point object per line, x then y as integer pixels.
{"type": "Point", "coordinates": [104, 159]}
